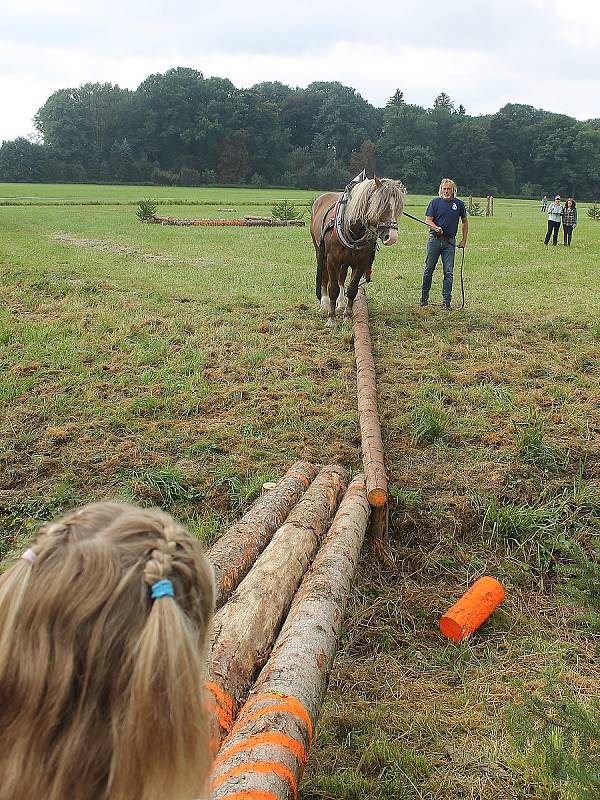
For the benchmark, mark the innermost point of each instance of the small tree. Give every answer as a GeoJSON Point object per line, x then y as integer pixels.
{"type": "Point", "coordinates": [146, 210]}
{"type": "Point", "coordinates": [285, 210]}
{"type": "Point", "coordinates": [594, 212]}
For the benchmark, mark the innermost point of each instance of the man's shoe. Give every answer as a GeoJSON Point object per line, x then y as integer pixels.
{"type": "Point", "coordinates": [424, 302]}
{"type": "Point", "coordinates": [446, 307]}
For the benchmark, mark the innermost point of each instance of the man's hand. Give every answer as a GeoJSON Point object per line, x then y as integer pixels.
{"type": "Point", "coordinates": [438, 230]}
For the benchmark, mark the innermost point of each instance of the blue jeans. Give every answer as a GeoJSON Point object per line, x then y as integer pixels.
{"type": "Point", "coordinates": [436, 247]}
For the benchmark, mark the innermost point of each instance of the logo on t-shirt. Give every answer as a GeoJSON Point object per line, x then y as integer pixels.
{"type": "Point", "coordinates": [454, 206]}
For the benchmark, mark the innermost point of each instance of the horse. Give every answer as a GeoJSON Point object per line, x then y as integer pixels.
{"type": "Point", "coordinates": [344, 228]}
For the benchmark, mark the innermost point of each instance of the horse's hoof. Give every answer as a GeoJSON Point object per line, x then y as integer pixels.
{"type": "Point", "coordinates": [330, 323]}
{"type": "Point", "coordinates": [347, 320]}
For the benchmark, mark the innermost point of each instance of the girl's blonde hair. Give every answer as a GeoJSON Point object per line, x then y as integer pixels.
{"type": "Point", "coordinates": [454, 186]}
{"type": "Point", "coordinates": [100, 685]}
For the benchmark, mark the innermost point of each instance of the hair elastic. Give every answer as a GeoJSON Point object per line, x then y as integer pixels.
{"type": "Point", "coordinates": [162, 588]}
{"type": "Point", "coordinates": [29, 555]}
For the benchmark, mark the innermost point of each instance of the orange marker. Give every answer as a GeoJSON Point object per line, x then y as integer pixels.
{"type": "Point", "coordinates": [473, 608]}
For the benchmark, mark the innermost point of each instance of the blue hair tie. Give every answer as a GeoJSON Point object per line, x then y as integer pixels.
{"type": "Point", "coordinates": [162, 588]}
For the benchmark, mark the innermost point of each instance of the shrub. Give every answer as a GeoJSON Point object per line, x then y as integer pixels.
{"type": "Point", "coordinates": [146, 210]}
{"type": "Point", "coordinates": [189, 177]}
{"type": "Point", "coordinates": [163, 177]}
{"type": "Point", "coordinates": [594, 212]}
{"type": "Point", "coordinates": [285, 210]}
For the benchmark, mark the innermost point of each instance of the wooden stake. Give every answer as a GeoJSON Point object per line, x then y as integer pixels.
{"type": "Point", "coordinates": [267, 749]}
{"type": "Point", "coordinates": [236, 551]}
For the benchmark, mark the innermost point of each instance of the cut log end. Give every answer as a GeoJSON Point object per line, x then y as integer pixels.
{"type": "Point", "coordinates": [377, 497]}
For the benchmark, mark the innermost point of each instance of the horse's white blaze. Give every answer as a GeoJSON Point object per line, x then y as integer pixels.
{"type": "Point", "coordinates": [392, 237]}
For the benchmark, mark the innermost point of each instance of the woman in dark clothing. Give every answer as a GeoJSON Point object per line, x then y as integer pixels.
{"type": "Point", "coordinates": [569, 220]}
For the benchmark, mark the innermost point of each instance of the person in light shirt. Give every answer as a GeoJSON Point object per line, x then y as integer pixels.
{"type": "Point", "coordinates": [555, 211]}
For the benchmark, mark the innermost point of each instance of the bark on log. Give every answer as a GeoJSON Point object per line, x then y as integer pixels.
{"type": "Point", "coordinates": [370, 428]}
{"type": "Point", "coordinates": [246, 627]}
{"type": "Point", "coordinates": [268, 745]}
{"type": "Point", "coordinates": [238, 548]}
{"type": "Point", "coordinates": [378, 531]}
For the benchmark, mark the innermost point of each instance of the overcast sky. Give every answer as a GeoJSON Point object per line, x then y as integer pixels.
{"type": "Point", "coordinates": [483, 53]}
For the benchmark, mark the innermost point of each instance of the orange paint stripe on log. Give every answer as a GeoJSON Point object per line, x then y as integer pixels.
{"type": "Point", "coordinates": [262, 767]}
{"type": "Point", "coordinates": [224, 717]}
{"type": "Point", "coordinates": [278, 739]}
{"type": "Point", "coordinates": [283, 703]}
{"type": "Point", "coordinates": [252, 794]}
{"type": "Point", "coordinates": [220, 695]}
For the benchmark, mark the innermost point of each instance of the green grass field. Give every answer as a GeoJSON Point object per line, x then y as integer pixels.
{"type": "Point", "coordinates": [183, 367]}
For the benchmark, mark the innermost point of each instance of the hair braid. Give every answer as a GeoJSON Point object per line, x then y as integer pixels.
{"type": "Point", "coordinates": [160, 563]}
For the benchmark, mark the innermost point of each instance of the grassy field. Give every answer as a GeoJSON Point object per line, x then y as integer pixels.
{"type": "Point", "coordinates": [185, 366]}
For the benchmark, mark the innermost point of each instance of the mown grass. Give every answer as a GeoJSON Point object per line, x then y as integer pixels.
{"type": "Point", "coordinates": [185, 366]}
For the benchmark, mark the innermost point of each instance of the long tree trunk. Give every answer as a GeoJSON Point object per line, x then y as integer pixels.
{"type": "Point", "coordinates": [268, 746]}
{"type": "Point", "coordinates": [238, 548]}
{"type": "Point", "coordinates": [370, 428]}
{"type": "Point", "coordinates": [247, 625]}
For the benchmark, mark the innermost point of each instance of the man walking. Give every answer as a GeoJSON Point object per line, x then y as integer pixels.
{"type": "Point", "coordinates": [442, 216]}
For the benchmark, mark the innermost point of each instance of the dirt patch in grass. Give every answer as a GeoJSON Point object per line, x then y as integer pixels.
{"type": "Point", "coordinates": [118, 249]}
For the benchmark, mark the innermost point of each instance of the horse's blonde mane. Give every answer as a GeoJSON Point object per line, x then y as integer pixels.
{"type": "Point", "coordinates": [368, 203]}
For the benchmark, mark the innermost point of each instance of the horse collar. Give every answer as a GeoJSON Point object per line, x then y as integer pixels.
{"type": "Point", "coordinates": [347, 241]}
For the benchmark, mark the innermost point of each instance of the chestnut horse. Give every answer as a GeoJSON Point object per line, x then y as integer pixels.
{"type": "Point", "coordinates": [345, 227]}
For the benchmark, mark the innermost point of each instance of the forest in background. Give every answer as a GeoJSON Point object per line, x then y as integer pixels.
{"type": "Point", "coordinates": [179, 128]}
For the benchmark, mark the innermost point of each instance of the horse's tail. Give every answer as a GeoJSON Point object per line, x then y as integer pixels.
{"type": "Point", "coordinates": [320, 262]}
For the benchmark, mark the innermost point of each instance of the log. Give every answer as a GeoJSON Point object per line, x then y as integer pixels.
{"type": "Point", "coordinates": [267, 749]}
{"type": "Point", "coordinates": [245, 628]}
{"type": "Point", "coordinates": [238, 548]}
{"type": "Point", "coordinates": [370, 428]}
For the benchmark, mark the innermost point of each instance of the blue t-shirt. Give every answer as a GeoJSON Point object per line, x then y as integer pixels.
{"type": "Point", "coordinates": [446, 214]}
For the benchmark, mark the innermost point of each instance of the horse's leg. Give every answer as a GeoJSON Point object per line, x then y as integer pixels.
{"type": "Point", "coordinates": [343, 272]}
{"type": "Point", "coordinates": [324, 277]}
{"type": "Point", "coordinates": [351, 293]}
{"type": "Point", "coordinates": [333, 290]}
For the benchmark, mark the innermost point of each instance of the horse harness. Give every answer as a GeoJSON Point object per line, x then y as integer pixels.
{"type": "Point", "coordinates": [335, 221]}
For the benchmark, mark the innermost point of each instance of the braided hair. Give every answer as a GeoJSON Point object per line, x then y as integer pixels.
{"type": "Point", "coordinates": [99, 682]}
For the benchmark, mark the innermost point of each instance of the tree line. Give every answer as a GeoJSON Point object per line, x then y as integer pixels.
{"type": "Point", "coordinates": [181, 128]}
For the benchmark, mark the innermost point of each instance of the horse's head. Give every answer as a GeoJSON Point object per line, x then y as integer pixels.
{"type": "Point", "coordinates": [377, 204]}
{"type": "Point", "coordinates": [385, 207]}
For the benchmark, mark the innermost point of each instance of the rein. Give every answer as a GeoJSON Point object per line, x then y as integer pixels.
{"type": "Point", "coordinates": [462, 263]}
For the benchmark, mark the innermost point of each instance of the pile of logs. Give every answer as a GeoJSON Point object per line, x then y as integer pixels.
{"type": "Point", "coordinates": [283, 574]}
{"type": "Point", "coordinates": [247, 222]}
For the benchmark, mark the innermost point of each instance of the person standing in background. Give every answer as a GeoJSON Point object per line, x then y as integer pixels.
{"type": "Point", "coordinates": [554, 219]}
{"type": "Point", "coordinates": [569, 220]}
{"type": "Point", "coordinates": [544, 203]}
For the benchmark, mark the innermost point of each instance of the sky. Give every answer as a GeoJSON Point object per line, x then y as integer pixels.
{"type": "Point", "coordinates": [483, 53]}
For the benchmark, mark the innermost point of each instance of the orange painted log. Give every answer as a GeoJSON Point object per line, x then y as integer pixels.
{"type": "Point", "coordinates": [266, 751]}
{"type": "Point", "coordinates": [370, 428]}
{"type": "Point", "coordinates": [473, 608]}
